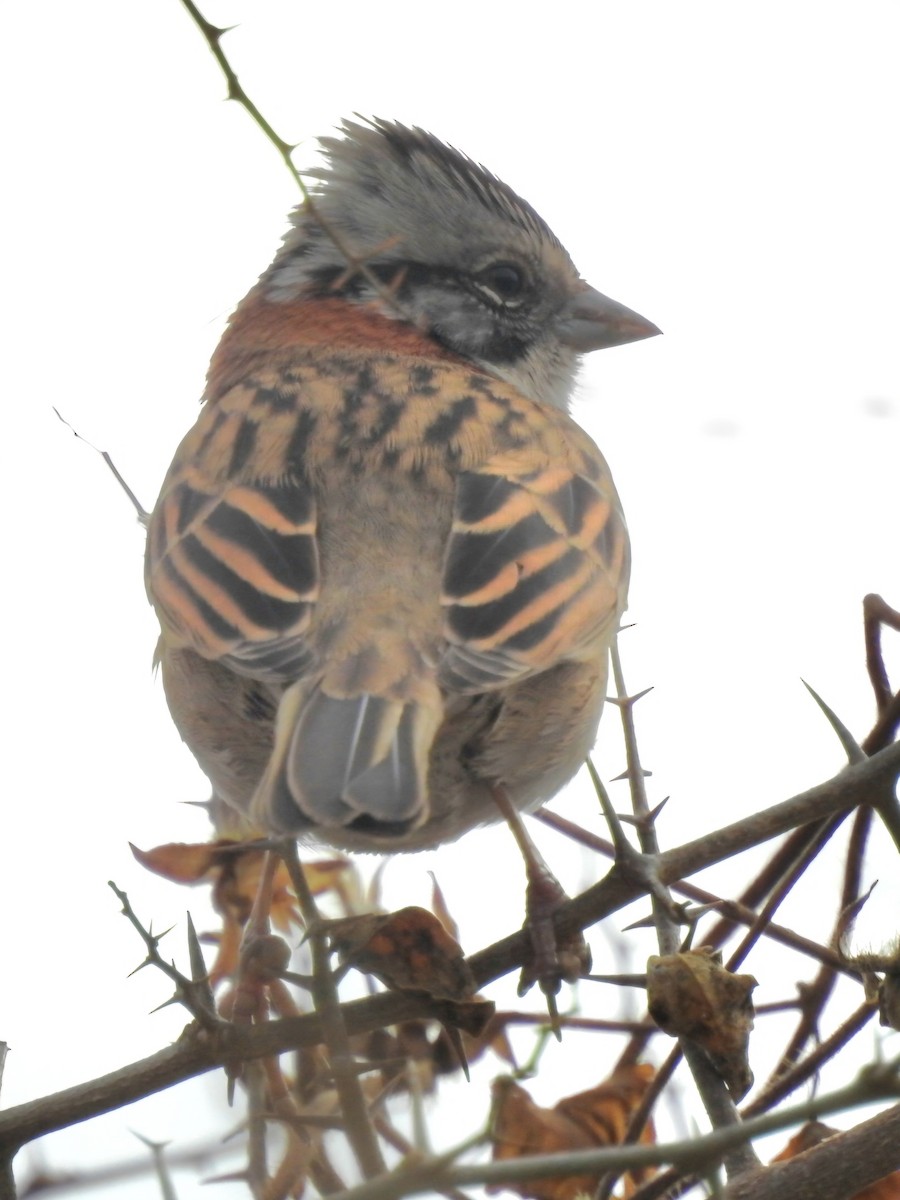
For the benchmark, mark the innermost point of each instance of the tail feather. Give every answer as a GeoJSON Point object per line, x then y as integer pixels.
{"type": "Point", "coordinates": [341, 761]}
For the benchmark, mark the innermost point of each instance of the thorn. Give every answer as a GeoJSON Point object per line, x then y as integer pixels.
{"type": "Point", "coordinates": [229, 1177]}
{"type": "Point", "coordinates": [553, 1012]}
{"type": "Point", "coordinates": [151, 1145]}
{"type": "Point", "coordinates": [455, 1039]}
{"type": "Point", "coordinates": [626, 775]}
{"type": "Point", "coordinates": [641, 923]}
{"type": "Point", "coordinates": [645, 822]}
{"type": "Point", "coordinates": [629, 701]}
{"type": "Point", "coordinates": [688, 938]}
{"type": "Point", "coordinates": [637, 981]}
{"type": "Point", "coordinates": [654, 812]}
{"type": "Point", "coordinates": [693, 913]}
{"type": "Point", "coordinates": [175, 999]}
{"type": "Point", "coordinates": [195, 953]}
{"type": "Point", "coordinates": [304, 981]}
{"type": "Point", "coordinates": [850, 746]}
{"type": "Point", "coordinates": [199, 974]}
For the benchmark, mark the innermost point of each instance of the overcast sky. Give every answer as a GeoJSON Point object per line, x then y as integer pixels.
{"type": "Point", "coordinates": [727, 169]}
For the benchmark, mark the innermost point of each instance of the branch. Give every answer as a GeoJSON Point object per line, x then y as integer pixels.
{"type": "Point", "coordinates": [198, 1052]}
{"type": "Point", "coordinates": [858, 784]}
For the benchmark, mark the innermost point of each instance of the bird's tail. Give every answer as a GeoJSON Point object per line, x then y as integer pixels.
{"type": "Point", "coordinates": [352, 747]}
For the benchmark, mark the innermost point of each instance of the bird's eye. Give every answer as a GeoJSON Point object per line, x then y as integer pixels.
{"type": "Point", "coordinates": [503, 282]}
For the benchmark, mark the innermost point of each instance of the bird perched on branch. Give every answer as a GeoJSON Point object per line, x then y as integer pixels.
{"type": "Point", "coordinates": [386, 562]}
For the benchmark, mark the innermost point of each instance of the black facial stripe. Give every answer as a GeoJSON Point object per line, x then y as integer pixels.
{"type": "Point", "coordinates": [506, 344]}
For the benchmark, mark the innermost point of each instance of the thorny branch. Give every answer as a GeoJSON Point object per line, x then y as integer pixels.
{"type": "Point", "coordinates": [356, 260]}
{"type": "Point", "coordinates": [200, 1051]}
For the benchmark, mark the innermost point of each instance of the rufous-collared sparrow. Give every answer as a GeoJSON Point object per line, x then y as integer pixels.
{"type": "Point", "coordinates": [386, 562]}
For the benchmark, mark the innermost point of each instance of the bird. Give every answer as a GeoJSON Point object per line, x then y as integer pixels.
{"type": "Point", "coordinates": [386, 561]}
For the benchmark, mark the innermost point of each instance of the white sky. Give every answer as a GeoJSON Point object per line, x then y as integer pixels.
{"type": "Point", "coordinates": [729, 170]}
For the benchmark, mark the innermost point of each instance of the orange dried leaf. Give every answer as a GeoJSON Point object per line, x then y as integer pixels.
{"type": "Point", "coordinates": [234, 869]}
{"type": "Point", "coordinates": [181, 862]}
{"type": "Point", "coordinates": [329, 875]}
{"type": "Point", "coordinates": [584, 1121]}
{"type": "Point", "coordinates": [605, 1111]}
{"type": "Point", "coordinates": [408, 950]}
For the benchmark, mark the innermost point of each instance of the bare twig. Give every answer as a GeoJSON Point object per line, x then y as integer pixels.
{"type": "Point", "coordinates": [731, 912]}
{"type": "Point", "coordinates": [143, 515]}
{"type": "Point", "coordinates": [195, 993]}
{"type": "Point", "coordinates": [356, 261]}
{"type": "Point", "coordinates": [359, 1129]}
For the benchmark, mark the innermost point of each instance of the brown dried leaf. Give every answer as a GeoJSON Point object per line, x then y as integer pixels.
{"type": "Point", "coordinates": [408, 950]}
{"type": "Point", "coordinates": [587, 1120]}
{"type": "Point", "coordinates": [234, 870]}
{"type": "Point", "coordinates": [181, 862]}
{"type": "Point", "coordinates": [692, 995]}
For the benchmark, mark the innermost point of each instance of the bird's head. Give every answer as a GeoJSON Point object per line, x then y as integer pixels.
{"type": "Point", "coordinates": [402, 222]}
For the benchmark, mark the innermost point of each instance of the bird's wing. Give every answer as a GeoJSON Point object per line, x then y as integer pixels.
{"type": "Point", "coordinates": [232, 562]}
{"type": "Point", "coordinates": [536, 567]}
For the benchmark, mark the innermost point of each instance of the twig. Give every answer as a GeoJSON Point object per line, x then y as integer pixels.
{"type": "Point", "coordinates": [160, 1166]}
{"type": "Point", "coordinates": [143, 515]}
{"type": "Point", "coordinates": [359, 1129]}
{"type": "Point", "coordinates": [356, 262]}
{"type": "Point", "coordinates": [731, 912]}
{"type": "Point", "coordinates": [710, 1086]}
{"type": "Point", "coordinates": [195, 993]}
{"type": "Point", "coordinates": [876, 613]}
{"type": "Point", "coordinates": [782, 1085]}
{"type": "Point", "coordinates": [777, 897]}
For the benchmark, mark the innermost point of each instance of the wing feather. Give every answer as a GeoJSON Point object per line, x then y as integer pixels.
{"type": "Point", "coordinates": [233, 570]}
{"type": "Point", "coordinates": [536, 569]}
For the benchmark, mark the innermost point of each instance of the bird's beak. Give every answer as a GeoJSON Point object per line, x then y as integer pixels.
{"type": "Point", "coordinates": [591, 321]}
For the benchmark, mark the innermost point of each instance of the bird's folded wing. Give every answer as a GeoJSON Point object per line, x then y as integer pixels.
{"type": "Point", "coordinates": [536, 567]}
{"type": "Point", "coordinates": [232, 569]}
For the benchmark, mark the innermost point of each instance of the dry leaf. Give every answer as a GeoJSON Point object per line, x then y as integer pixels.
{"type": "Point", "coordinates": [408, 950]}
{"type": "Point", "coordinates": [584, 1121]}
{"type": "Point", "coordinates": [234, 870]}
{"type": "Point", "coordinates": [692, 995]}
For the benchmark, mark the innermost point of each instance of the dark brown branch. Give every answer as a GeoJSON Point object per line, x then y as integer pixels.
{"type": "Point", "coordinates": [835, 1169]}
{"type": "Point", "coordinates": [359, 1129]}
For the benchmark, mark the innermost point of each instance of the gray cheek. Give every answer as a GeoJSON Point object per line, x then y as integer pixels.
{"type": "Point", "coordinates": [464, 325]}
